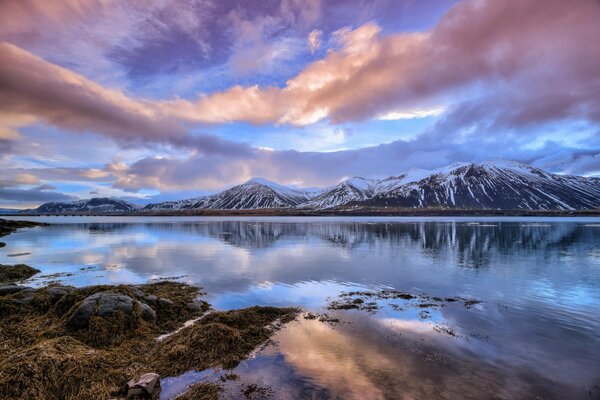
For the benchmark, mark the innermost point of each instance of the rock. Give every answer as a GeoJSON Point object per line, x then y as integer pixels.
{"type": "Point", "coordinates": [162, 302]}
{"type": "Point", "coordinates": [147, 312]}
{"type": "Point", "coordinates": [145, 387]}
{"type": "Point", "coordinates": [24, 296]}
{"type": "Point", "coordinates": [137, 292]}
{"type": "Point", "coordinates": [105, 305]}
{"type": "Point", "coordinates": [58, 292]}
{"type": "Point", "coordinates": [150, 298]}
{"type": "Point", "coordinates": [5, 290]}
{"type": "Point", "coordinates": [2, 244]}
{"type": "Point", "coordinates": [193, 307]}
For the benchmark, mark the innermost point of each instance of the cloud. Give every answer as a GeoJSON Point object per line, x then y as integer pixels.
{"type": "Point", "coordinates": [31, 86]}
{"type": "Point", "coordinates": [511, 45]}
{"type": "Point", "coordinates": [502, 69]}
{"type": "Point", "coordinates": [314, 40]}
{"type": "Point", "coordinates": [429, 150]}
{"type": "Point", "coordinates": [369, 75]}
{"type": "Point", "coordinates": [42, 193]}
{"type": "Point", "coordinates": [412, 114]}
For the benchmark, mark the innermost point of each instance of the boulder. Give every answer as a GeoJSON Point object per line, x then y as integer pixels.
{"type": "Point", "coordinates": [106, 305]}
{"type": "Point", "coordinates": [147, 312]}
{"type": "Point", "coordinates": [58, 292]}
{"type": "Point", "coordinates": [166, 303]}
{"type": "Point", "coordinates": [24, 296]}
{"type": "Point", "coordinates": [5, 290]}
{"type": "Point", "coordinates": [137, 292]}
{"type": "Point", "coordinates": [150, 299]}
{"type": "Point", "coordinates": [146, 387]}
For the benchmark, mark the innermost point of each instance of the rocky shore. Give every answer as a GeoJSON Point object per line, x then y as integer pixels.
{"type": "Point", "coordinates": [96, 342]}
{"type": "Point", "coordinates": [117, 341]}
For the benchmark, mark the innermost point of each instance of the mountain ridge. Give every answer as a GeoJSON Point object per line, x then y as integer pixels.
{"type": "Point", "coordinates": [488, 185]}
{"type": "Point", "coordinates": [95, 204]}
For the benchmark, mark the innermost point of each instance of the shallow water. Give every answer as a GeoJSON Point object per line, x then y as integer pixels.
{"type": "Point", "coordinates": [535, 333]}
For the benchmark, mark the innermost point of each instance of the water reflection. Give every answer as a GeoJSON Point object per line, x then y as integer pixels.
{"type": "Point", "coordinates": [535, 334]}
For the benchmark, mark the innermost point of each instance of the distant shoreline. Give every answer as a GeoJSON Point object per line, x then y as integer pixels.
{"type": "Point", "coordinates": [355, 212]}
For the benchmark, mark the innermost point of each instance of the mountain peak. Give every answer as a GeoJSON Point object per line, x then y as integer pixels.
{"type": "Point", "coordinates": [260, 181]}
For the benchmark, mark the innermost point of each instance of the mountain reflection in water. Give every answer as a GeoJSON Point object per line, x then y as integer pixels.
{"type": "Point", "coordinates": [535, 333]}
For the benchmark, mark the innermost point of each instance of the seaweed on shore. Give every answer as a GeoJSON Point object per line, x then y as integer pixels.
{"type": "Point", "coordinates": [368, 300]}
{"type": "Point", "coordinates": [219, 339]}
{"type": "Point", "coordinates": [202, 391]}
{"type": "Point", "coordinates": [9, 226]}
{"type": "Point", "coordinates": [16, 273]}
{"type": "Point", "coordinates": [42, 358]}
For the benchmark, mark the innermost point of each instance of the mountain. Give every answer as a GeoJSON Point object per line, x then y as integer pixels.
{"type": "Point", "coordinates": [505, 185]}
{"type": "Point", "coordinates": [359, 189]}
{"type": "Point", "coordinates": [95, 205]}
{"type": "Point", "coordinates": [500, 184]}
{"type": "Point", "coordinates": [351, 190]}
{"type": "Point", "coordinates": [253, 194]}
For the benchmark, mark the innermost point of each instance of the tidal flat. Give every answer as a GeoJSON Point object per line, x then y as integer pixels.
{"type": "Point", "coordinates": [319, 308]}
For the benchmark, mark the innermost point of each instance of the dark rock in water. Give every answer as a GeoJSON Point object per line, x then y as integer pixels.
{"type": "Point", "coordinates": [146, 387]}
{"type": "Point", "coordinates": [2, 244]}
{"type": "Point", "coordinates": [5, 290]}
{"type": "Point", "coordinates": [105, 305]}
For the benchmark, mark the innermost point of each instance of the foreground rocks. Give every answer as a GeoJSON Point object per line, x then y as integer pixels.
{"type": "Point", "coordinates": [146, 387]}
{"type": "Point", "coordinates": [106, 305]}
{"type": "Point", "coordinates": [16, 273]}
{"type": "Point", "coordinates": [106, 337]}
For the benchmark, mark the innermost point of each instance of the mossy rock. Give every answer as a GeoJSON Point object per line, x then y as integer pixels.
{"type": "Point", "coordinates": [16, 273]}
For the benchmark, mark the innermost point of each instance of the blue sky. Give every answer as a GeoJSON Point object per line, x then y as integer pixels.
{"type": "Point", "coordinates": [153, 100]}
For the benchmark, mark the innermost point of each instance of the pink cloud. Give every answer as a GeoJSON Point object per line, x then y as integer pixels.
{"type": "Point", "coordinates": [537, 61]}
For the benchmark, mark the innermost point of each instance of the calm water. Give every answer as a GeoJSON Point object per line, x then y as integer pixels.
{"type": "Point", "coordinates": [536, 332]}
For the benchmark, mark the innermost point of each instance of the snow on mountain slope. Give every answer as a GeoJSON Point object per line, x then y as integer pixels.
{"type": "Point", "coordinates": [494, 185]}
{"type": "Point", "coordinates": [255, 193]}
{"type": "Point", "coordinates": [96, 205]}
{"type": "Point", "coordinates": [354, 189]}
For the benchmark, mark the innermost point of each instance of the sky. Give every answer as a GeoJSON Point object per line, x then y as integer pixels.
{"type": "Point", "coordinates": [152, 100]}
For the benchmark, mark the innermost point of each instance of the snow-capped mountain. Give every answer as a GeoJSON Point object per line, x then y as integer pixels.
{"type": "Point", "coordinates": [95, 205]}
{"type": "Point", "coordinates": [506, 185]}
{"type": "Point", "coordinates": [354, 189]}
{"type": "Point", "coordinates": [253, 194]}
{"type": "Point", "coordinates": [500, 184]}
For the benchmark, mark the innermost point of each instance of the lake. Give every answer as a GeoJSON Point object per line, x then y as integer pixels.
{"type": "Point", "coordinates": [490, 307]}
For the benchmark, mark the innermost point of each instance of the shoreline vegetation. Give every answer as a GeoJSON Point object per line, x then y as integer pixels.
{"type": "Point", "coordinates": [95, 342]}
{"type": "Point", "coordinates": [335, 212]}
